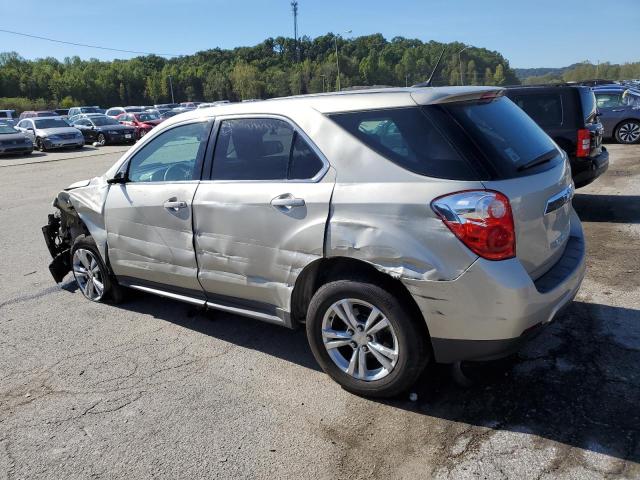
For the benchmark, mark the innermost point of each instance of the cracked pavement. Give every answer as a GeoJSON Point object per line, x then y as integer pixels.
{"type": "Point", "coordinates": [152, 388]}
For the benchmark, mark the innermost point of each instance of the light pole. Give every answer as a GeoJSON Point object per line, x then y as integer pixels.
{"type": "Point", "coordinates": [171, 85]}
{"type": "Point", "coordinates": [323, 77]}
{"type": "Point", "coordinates": [460, 62]}
{"type": "Point", "coordinates": [335, 40]}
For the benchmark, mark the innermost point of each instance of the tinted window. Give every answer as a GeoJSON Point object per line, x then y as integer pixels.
{"type": "Point", "coordinates": [252, 149]}
{"type": "Point", "coordinates": [51, 123]}
{"type": "Point", "coordinates": [171, 156]}
{"type": "Point", "coordinates": [408, 138]}
{"type": "Point", "coordinates": [305, 163]}
{"type": "Point", "coordinates": [588, 105]}
{"type": "Point", "coordinates": [101, 121]}
{"type": "Point", "coordinates": [46, 114]}
{"type": "Point", "coordinates": [507, 136]}
{"type": "Point", "coordinates": [4, 114]}
{"type": "Point", "coordinates": [545, 109]}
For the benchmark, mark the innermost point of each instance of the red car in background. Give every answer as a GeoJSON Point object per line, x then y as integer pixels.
{"type": "Point", "coordinates": [143, 122]}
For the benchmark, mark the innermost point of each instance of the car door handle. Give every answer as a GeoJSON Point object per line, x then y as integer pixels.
{"type": "Point", "coordinates": [287, 201]}
{"type": "Point", "coordinates": [618, 110]}
{"type": "Point", "coordinates": [175, 205]}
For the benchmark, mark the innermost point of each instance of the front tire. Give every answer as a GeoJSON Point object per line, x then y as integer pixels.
{"type": "Point", "coordinates": [102, 140]}
{"type": "Point", "coordinates": [88, 269]}
{"type": "Point", "coordinates": [628, 132]}
{"type": "Point", "coordinates": [40, 145]}
{"type": "Point", "coordinates": [365, 339]}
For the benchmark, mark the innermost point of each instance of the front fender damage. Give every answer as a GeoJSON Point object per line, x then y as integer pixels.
{"type": "Point", "coordinates": [79, 211]}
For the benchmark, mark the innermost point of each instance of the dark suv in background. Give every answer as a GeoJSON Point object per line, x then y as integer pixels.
{"type": "Point", "coordinates": [569, 115]}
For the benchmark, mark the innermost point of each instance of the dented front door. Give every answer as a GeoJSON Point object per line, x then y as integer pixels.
{"type": "Point", "coordinates": [149, 235]}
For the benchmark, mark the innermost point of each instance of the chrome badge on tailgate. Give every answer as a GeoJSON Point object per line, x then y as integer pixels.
{"type": "Point", "coordinates": [559, 199]}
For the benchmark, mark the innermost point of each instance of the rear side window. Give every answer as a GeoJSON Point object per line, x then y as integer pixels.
{"type": "Point", "coordinates": [408, 138]}
{"type": "Point", "coordinates": [262, 149]}
{"type": "Point", "coordinates": [588, 100]}
{"type": "Point", "coordinates": [545, 109]}
{"type": "Point", "coordinates": [506, 135]}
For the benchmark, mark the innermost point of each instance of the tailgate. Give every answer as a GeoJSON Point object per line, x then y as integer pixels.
{"type": "Point", "coordinates": [541, 206]}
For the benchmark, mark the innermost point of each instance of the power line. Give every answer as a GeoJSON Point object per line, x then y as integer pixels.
{"type": "Point", "coordinates": [88, 46]}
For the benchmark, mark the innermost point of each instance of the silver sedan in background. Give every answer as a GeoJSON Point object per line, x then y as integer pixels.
{"type": "Point", "coordinates": [51, 132]}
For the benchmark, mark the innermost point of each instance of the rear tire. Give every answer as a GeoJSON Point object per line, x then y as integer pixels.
{"type": "Point", "coordinates": [394, 354]}
{"type": "Point", "coordinates": [628, 132]}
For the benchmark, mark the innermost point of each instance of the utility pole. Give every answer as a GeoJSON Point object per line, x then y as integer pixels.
{"type": "Point", "coordinates": [171, 85]}
{"type": "Point", "coordinates": [460, 62]}
{"type": "Point", "coordinates": [294, 8]}
{"type": "Point", "coordinates": [335, 40]}
{"type": "Point", "coordinates": [323, 77]}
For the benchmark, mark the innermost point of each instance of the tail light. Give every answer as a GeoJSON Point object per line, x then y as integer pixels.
{"type": "Point", "coordinates": [584, 143]}
{"type": "Point", "coordinates": [481, 219]}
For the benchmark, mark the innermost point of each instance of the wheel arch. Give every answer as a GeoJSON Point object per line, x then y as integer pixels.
{"type": "Point", "coordinates": [324, 270]}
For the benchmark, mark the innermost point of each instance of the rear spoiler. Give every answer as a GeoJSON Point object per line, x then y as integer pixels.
{"type": "Point", "coordinates": [434, 96]}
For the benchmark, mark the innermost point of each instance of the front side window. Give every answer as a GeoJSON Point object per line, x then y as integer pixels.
{"type": "Point", "coordinates": [262, 149]}
{"type": "Point", "coordinates": [545, 109]}
{"type": "Point", "coordinates": [171, 156]}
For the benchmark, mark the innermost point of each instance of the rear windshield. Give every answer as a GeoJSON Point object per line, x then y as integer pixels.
{"type": "Point", "coordinates": [507, 137]}
{"type": "Point", "coordinates": [89, 110]}
{"type": "Point", "coordinates": [102, 121]}
{"type": "Point", "coordinates": [407, 137]}
{"type": "Point", "coordinates": [46, 114]}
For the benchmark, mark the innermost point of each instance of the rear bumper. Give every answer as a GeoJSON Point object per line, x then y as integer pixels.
{"type": "Point", "coordinates": [586, 171]}
{"type": "Point", "coordinates": [494, 307]}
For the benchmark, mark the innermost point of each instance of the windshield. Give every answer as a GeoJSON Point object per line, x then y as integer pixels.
{"type": "Point", "coordinates": [46, 114]}
{"type": "Point", "coordinates": [507, 136]}
{"type": "Point", "coordinates": [89, 110]}
{"type": "Point", "coordinates": [147, 117]}
{"type": "Point", "coordinates": [102, 121]}
{"type": "Point", "coordinates": [132, 109]}
{"type": "Point", "coordinates": [4, 129]}
{"type": "Point", "coordinates": [51, 123]}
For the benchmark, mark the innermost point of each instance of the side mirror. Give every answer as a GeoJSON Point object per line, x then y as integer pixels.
{"type": "Point", "coordinates": [119, 177]}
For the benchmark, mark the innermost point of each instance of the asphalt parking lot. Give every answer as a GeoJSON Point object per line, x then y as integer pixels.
{"type": "Point", "coordinates": [155, 389]}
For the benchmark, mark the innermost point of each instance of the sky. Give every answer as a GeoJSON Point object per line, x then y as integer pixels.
{"type": "Point", "coordinates": [542, 33]}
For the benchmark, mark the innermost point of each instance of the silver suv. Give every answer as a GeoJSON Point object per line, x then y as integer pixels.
{"type": "Point", "coordinates": [401, 226]}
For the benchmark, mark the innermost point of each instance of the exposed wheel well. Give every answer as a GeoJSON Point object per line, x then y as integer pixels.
{"type": "Point", "coordinates": [326, 270]}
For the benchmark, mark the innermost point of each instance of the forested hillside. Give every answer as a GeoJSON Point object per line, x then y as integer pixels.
{"type": "Point", "coordinates": [269, 69]}
{"type": "Point", "coordinates": [579, 72]}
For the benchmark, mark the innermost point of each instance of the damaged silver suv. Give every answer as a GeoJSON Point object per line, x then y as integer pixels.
{"type": "Point", "coordinates": [401, 226]}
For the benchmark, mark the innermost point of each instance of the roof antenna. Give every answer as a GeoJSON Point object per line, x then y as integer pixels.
{"type": "Point", "coordinates": [435, 69]}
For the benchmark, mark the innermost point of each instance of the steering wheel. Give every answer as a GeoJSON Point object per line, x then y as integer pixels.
{"type": "Point", "coordinates": [177, 172]}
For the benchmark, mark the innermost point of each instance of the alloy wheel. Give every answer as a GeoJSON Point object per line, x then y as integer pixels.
{"type": "Point", "coordinates": [102, 139]}
{"type": "Point", "coordinates": [629, 132]}
{"type": "Point", "coordinates": [360, 339]}
{"type": "Point", "coordinates": [86, 270]}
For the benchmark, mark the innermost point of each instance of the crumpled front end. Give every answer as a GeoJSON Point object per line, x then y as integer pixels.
{"type": "Point", "coordinates": [79, 211]}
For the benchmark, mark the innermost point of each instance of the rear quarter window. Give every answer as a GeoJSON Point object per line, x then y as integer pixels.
{"type": "Point", "coordinates": [408, 138]}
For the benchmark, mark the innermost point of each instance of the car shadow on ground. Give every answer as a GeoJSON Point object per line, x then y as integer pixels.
{"type": "Point", "coordinates": [607, 208]}
{"type": "Point", "coordinates": [576, 383]}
